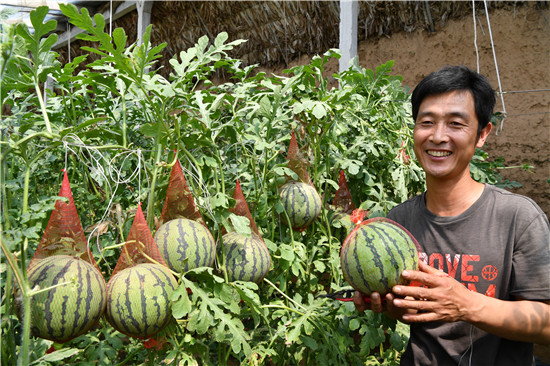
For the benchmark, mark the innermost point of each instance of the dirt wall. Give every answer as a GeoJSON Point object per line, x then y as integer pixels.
{"type": "Point", "coordinates": [521, 38]}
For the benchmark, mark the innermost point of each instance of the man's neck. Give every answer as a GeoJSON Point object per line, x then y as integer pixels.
{"type": "Point", "coordinates": [451, 198]}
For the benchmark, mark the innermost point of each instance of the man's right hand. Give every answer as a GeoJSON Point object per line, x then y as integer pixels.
{"type": "Point", "coordinates": [379, 304]}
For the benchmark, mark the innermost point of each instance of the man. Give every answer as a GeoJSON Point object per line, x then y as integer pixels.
{"type": "Point", "coordinates": [484, 271]}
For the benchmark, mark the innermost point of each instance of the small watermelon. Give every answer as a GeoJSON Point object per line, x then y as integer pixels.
{"type": "Point", "coordinates": [375, 253]}
{"type": "Point", "coordinates": [138, 299]}
{"type": "Point", "coordinates": [69, 310]}
{"type": "Point", "coordinates": [302, 203]}
{"type": "Point", "coordinates": [246, 258]}
{"type": "Point", "coordinates": [185, 244]}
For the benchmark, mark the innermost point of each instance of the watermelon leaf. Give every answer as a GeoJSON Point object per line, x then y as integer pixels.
{"type": "Point", "coordinates": [181, 305]}
{"type": "Point", "coordinates": [213, 312]}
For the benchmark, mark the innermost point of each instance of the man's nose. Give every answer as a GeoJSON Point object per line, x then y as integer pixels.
{"type": "Point", "coordinates": [439, 133]}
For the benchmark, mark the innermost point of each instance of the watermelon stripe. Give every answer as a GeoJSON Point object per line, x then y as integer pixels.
{"type": "Point", "coordinates": [197, 240]}
{"type": "Point", "coordinates": [181, 249]}
{"type": "Point", "coordinates": [79, 300]}
{"type": "Point", "coordinates": [366, 254]}
{"type": "Point", "coordinates": [165, 253]}
{"type": "Point", "coordinates": [159, 323]}
{"type": "Point", "coordinates": [59, 277]}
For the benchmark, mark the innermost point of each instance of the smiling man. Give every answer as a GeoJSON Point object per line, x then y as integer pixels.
{"type": "Point", "coordinates": [485, 260]}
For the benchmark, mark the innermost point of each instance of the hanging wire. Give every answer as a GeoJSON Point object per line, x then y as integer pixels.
{"type": "Point", "coordinates": [475, 34]}
{"type": "Point", "coordinates": [496, 68]}
{"type": "Point", "coordinates": [69, 41]}
{"type": "Point", "coordinates": [111, 18]}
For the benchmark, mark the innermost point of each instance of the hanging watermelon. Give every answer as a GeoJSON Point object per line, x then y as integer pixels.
{"type": "Point", "coordinates": [375, 253]}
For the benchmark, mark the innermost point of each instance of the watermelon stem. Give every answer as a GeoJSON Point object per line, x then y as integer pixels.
{"type": "Point", "coordinates": [38, 291]}
{"type": "Point", "coordinates": [285, 295]}
{"type": "Point", "coordinates": [21, 277]}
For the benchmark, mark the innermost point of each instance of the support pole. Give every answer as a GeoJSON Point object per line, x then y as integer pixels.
{"type": "Point", "coordinates": [349, 10]}
{"type": "Point", "coordinates": [144, 17]}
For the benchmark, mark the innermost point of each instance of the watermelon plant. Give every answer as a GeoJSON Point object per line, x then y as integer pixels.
{"type": "Point", "coordinates": [117, 126]}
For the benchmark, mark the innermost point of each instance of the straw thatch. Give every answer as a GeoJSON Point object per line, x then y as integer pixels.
{"type": "Point", "coordinates": [280, 31]}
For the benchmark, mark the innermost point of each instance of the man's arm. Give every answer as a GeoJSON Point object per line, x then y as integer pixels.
{"type": "Point", "coordinates": [444, 299]}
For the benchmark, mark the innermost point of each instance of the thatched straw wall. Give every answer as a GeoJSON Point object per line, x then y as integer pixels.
{"type": "Point", "coordinates": [280, 31]}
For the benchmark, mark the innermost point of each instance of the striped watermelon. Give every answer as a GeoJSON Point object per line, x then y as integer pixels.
{"type": "Point", "coordinates": [302, 203]}
{"type": "Point", "coordinates": [138, 299]}
{"type": "Point", "coordinates": [375, 253]}
{"type": "Point", "coordinates": [246, 258]}
{"type": "Point", "coordinates": [67, 311]}
{"type": "Point", "coordinates": [182, 239]}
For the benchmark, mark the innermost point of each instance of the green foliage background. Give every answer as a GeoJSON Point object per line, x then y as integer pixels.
{"type": "Point", "coordinates": [118, 127]}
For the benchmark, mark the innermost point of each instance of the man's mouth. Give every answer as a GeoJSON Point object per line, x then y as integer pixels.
{"type": "Point", "coordinates": [437, 153]}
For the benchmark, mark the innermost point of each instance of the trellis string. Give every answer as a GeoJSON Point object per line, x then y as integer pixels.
{"type": "Point", "coordinates": [475, 34]}
{"type": "Point", "coordinates": [496, 68]}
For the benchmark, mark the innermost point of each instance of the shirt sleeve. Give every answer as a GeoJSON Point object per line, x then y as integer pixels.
{"type": "Point", "coordinates": [531, 261]}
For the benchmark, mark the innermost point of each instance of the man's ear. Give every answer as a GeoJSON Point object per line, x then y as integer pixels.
{"type": "Point", "coordinates": [484, 134]}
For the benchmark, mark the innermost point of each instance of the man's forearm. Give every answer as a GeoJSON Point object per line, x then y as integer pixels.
{"type": "Point", "coordinates": [521, 320]}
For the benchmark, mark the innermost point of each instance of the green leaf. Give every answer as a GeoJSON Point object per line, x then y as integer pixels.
{"type": "Point", "coordinates": [59, 355]}
{"type": "Point", "coordinates": [219, 200]}
{"type": "Point", "coordinates": [241, 224]}
{"type": "Point", "coordinates": [396, 341]}
{"type": "Point", "coordinates": [212, 312]}
{"type": "Point", "coordinates": [181, 305]}
{"type": "Point", "coordinates": [319, 110]}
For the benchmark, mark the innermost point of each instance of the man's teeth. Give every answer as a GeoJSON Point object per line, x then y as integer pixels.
{"type": "Point", "coordinates": [439, 153]}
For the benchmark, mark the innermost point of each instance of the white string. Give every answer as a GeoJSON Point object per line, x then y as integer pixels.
{"type": "Point", "coordinates": [95, 161]}
{"type": "Point", "coordinates": [201, 203]}
{"type": "Point", "coordinates": [69, 42]}
{"type": "Point", "coordinates": [496, 68]}
{"type": "Point", "coordinates": [111, 18]}
{"type": "Point", "coordinates": [470, 348]}
{"type": "Point", "coordinates": [475, 34]}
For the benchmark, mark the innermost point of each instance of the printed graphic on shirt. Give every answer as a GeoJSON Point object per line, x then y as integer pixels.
{"type": "Point", "coordinates": [466, 269]}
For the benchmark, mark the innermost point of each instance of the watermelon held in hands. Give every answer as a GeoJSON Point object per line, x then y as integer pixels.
{"type": "Point", "coordinates": [302, 204]}
{"type": "Point", "coordinates": [185, 244]}
{"type": "Point", "coordinates": [375, 253]}
{"type": "Point", "coordinates": [71, 308]}
{"type": "Point", "coordinates": [246, 257]}
{"type": "Point", "coordinates": [139, 299]}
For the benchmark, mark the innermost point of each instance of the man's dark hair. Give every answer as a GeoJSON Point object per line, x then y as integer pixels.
{"type": "Point", "coordinates": [450, 78]}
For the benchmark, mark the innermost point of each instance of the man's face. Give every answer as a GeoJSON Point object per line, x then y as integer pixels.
{"type": "Point", "coordinates": [445, 135]}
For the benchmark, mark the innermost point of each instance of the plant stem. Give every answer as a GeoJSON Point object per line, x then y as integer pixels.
{"type": "Point", "coordinates": [285, 295]}
{"type": "Point", "coordinates": [42, 107]}
{"type": "Point", "coordinates": [151, 203]}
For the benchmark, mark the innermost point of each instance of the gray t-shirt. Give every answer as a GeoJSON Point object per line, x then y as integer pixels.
{"type": "Point", "coordinates": [499, 247]}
